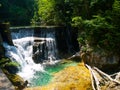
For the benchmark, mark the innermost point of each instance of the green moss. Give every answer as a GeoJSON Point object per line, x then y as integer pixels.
{"type": "Point", "coordinates": [8, 65]}
{"type": "Point", "coordinates": [15, 64]}
{"type": "Point", "coordinates": [3, 62]}
{"type": "Point", "coordinates": [15, 79]}
{"type": "Point", "coordinates": [7, 62]}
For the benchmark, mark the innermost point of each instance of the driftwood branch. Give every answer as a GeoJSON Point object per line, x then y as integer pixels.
{"type": "Point", "coordinates": [102, 81]}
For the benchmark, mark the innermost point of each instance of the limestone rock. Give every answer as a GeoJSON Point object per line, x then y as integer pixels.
{"type": "Point", "coordinates": [101, 60]}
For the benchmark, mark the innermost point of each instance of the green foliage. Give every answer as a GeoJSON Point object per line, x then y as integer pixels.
{"type": "Point", "coordinates": [99, 33]}
{"type": "Point", "coordinates": [17, 12]}
{"type": "Point", "coordinates": [15, 64]}
{"type": "Point", "coordinates": [3, 61]}
{"type": "Point", "coordinates": [115, 15]}
{"type": "Point", "coordinates": [102, 30]}
{"type": "Point", "coordinates": [59, 12]}
{"type": "Point", "coordinates": [45, 11]}
{"type": "Point", "coordinates": [77, 22]}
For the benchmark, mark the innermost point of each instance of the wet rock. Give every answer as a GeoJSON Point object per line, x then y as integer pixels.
{"type": "Point", "coordinates": [16, 80]}
{"type": "Point", "coordinates": [38, 56]}
{"type": "Point", "coordinates": [12, 69]}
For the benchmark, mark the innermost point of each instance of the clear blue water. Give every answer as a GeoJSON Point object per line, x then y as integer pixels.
{"type": "Point", "coordinates": [44, 78]}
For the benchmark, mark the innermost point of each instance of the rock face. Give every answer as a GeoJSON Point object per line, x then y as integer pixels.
{"type": "Point", "coordinates": [100, 59]}
{"type": "Point", "coordinates": [5, 33]}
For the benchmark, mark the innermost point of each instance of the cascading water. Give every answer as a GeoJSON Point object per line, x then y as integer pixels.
{"type": "Point", "coordinates": [51, 48]}
{"type": "Point", "coordinates": [46, 49]}
{"type": "Point", "coordinates": [36, 50]}
{"type": "Point", "coordinates": [23, 51]}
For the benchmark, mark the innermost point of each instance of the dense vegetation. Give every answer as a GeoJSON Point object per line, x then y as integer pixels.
{"type": "Point", "coordinates": [96, 20]}
{"type": "Point", "coordinates": [102, 29]}
{"type": "Point", "coordinates": [17, 12]}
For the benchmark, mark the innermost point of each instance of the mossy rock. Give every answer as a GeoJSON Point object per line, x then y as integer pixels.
{"type": "Point", "coordinates": [11, 67]}
{"type": "Point", "coordinates": [3, 61]}
{"type": "Point", "coordinates": [16, 80]}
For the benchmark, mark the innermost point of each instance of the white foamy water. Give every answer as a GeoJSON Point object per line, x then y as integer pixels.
{"type": "Point", "coordinates": [22, 54]}
{"type": "Point", "coordinates": [22, 51]}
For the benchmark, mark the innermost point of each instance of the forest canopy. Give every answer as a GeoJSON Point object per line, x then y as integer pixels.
{"type": "Point", "coordinates": [53, 12]}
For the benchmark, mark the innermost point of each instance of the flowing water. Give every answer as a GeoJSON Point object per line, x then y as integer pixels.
{"type": "Point", "coordinates": [22, 53]}
{"type": "Point", "coordinates": [26, 45]}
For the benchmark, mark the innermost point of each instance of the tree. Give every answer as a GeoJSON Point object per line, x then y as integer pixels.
{"type": "Point", "coordinates": [101, 30]}
{"type": "Point", "coordinates": [17, 12]}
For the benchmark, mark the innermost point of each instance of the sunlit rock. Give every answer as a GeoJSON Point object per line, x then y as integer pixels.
{"type": "Point", "coordinates": [101, 59]}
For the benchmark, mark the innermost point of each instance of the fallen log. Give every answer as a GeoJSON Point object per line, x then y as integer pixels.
{"type": "Point", "coordinates": [102, 81]}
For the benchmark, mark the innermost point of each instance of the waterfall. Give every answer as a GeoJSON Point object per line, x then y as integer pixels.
{"type": "Point", "coordinates": [22, 53]}
{"type": "Point", "coordinates": [46, 48]}
{"type": "Point", "coordinates": [23, 50]}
